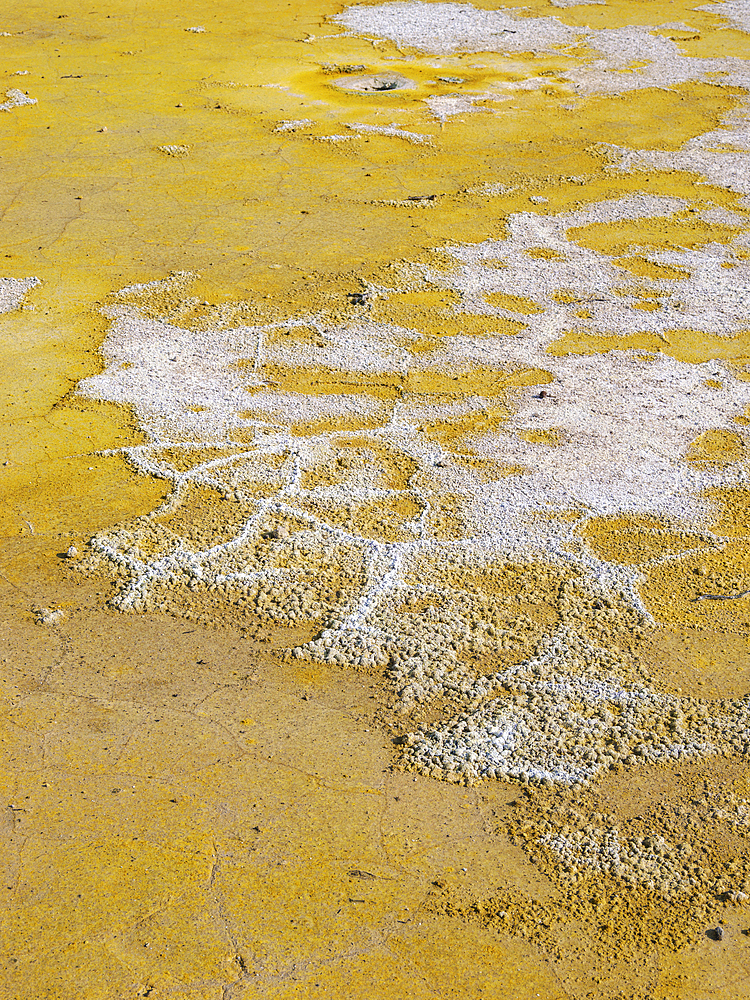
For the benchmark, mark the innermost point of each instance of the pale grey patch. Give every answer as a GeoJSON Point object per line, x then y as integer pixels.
{"type": "Point", "coordinates": [12, 291]}
{"type": "Point", "coordinates": [443, 28]}
{"type": "Point", "coordinates": [297, 407]}
{"type": "Point", "coordinates": [624, 420]}
{"type": "Point", "coordinates": [710, 297]}
{"type": "Point", "coordinates": [722, 217]}
{"type": "Point", "coordinates": [449, 27]}
{"type": "Point", "coordinates": [375, 83]}
{"type": "Point", "coordinates": [187, 383]}
{"type": "Point", "coordinates": [663, 63]}
{"type": "Point", "coordinates": [336, 137]}
{"type": "Point", "coordinates": [366, 347]}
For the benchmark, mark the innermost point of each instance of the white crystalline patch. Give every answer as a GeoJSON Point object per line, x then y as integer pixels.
{"type": "Point", "coordinates": [175, 280]}
{"type": "Point", "coordinates": [163, 370]}
{"type": "Point", "coordinates": [622, 46]}
{"type": "Point", "coordinates": [722, 217]}
{"type": "Point", "coordinates": [737, 11]}
{"type": "Point", "coordinates": [287, 406]}
{"type": "Point", "coordinates": [184, 383]}
{"type": "Point", "coordinates": [443, 28]}
{"type": "Point", "coordinates": [625, 421]}
{"type": "Point", "coordinates": [337, 137]}
{"type": "Point", "coordinates": [16, 99]}
{"type": "Point", "coordinates": [637, 206]}
{"type": "Point", "coordinates": [291, 125]}
{"type": "Point", "coordinates": [12, 291]}
{"type": "Point", "coordinates": [659, 62]}
{"type": "Point", "coordinates": [712, 298]}
{"type": "Point", "coordinates": [448, 27]}
{"type": "Point", "coordinates": [557, 727]}
{"type": "Point", "coordinates": [443, 106]}
{"type": "Point", "coordinates": [359, 347]}
{"type": "Point", "coordinates": [399, 133]}
{"type": "Point", "coordinates": [49, 616]}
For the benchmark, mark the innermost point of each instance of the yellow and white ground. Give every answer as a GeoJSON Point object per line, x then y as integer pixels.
{"type": "Point", "coordinates": [375, 500]}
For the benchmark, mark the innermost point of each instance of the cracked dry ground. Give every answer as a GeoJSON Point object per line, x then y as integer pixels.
{"type": "Point", "coordinates": [188, 817]}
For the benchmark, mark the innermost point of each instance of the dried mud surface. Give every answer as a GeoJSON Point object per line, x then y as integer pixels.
{"type": "Point", "coordinates": [374, 501]}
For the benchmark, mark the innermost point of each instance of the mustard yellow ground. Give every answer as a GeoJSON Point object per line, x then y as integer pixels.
{"type": "Point", "coordinates": [185, 814]}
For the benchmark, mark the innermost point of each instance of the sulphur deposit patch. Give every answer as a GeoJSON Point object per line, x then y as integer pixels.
{"type": "Point", "coordinates": [374, 453]}
{"type": "Point", "coordinates": [505, 452]}
{"type": "Point", "coordinates": [506, 448]}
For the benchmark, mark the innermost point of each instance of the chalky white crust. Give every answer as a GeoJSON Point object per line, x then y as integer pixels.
{"type": "Point", "coordinates": [625, 420]}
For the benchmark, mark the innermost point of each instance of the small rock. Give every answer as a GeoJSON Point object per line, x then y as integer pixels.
{"type": "Point", "coordinates": [48, 616]}
{"type": "Point", "coordinates": [72, 553]}
{"type": "Point", "coordinates": [174, 150]}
